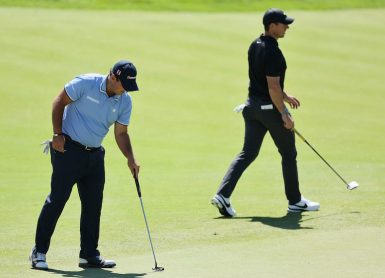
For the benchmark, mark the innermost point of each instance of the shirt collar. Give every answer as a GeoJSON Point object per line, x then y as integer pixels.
{"type": "Point", "coordinates": [269, 39]}
{"type": "Point", "coordinates": [103, 89]}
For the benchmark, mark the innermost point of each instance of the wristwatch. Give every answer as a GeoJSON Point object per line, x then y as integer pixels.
{"type": "Point", "coordinates": [285, 112]}
{"type": "Point", "coordinates": [57, 134]}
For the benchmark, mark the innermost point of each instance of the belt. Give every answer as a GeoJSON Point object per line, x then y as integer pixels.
{"type": "Point", "coordinates": [76, 143]}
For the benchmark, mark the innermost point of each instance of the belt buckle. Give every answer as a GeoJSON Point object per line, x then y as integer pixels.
{"type": "Point", "coordinates": [87, 148]}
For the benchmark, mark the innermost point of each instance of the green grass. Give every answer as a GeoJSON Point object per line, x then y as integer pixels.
{"type": "Point", "coordinates": [196, 5]}
{"type": "Point", "coordinates": [192, 72]}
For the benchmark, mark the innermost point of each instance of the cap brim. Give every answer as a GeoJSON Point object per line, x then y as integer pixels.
{"type": "Point", "coordinates": [289, 20]}
{"type": "Point", "coordinates": [130, 85]}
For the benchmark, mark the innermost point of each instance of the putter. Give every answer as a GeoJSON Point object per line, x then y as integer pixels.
{"type": "Point", "coordinates": [351, 185]}
{"type": "Point", "coordinates": [156, 268]}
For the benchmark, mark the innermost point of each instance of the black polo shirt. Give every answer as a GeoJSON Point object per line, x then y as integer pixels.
{"type": "Point", "coordinates": [265, 59]}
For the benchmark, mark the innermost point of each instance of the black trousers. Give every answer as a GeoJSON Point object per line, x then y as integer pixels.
{"type": "Point", "coordinates": [86, 168]}
{"type": "Point", "coordinates": [261, 116]}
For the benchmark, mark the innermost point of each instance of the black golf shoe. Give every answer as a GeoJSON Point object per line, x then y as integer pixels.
{"type": "Point", "coordinates": [96, 262]}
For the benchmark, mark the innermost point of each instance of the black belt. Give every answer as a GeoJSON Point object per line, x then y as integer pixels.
{"type": "Point", "coordinates": [76, 143]}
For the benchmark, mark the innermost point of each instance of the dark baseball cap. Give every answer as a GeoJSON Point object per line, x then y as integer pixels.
{"type": "Point", "coordinates": [125, 71]}
{"type": "Point", "coordinates": [276, 15]}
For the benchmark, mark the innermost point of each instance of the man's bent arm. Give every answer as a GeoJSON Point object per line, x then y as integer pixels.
{"type": "Point", "coordinates": [58, 106]}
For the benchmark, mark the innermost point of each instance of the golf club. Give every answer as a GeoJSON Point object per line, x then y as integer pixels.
{"type": "Point", "coordinates": [156, 268]}
{"type": "Point", "coordinates": [351, 185]}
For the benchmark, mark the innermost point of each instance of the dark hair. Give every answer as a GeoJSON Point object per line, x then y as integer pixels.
{"type": "Point", "coordinates": [268, 25]}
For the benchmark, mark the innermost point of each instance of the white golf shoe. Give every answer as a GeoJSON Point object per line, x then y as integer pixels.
{"type": "Point", "coordinates": [304, 205]}
{"type": "Point", "coordinates": [223, 205]}
{"type": "Point", "coordinates": [38, 260]}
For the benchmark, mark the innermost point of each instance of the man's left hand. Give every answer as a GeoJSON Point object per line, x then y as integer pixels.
{"type": "Point", "coordinates": [292, 101]}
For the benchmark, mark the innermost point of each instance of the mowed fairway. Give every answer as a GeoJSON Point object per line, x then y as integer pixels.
{"type": "Point", "coordinates": [192, 72]}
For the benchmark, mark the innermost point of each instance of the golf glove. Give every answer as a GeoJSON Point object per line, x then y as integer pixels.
{"type": "Point", "coordinates": [239, 108]}
{"type": "Point", "coordinates": [45, 145]}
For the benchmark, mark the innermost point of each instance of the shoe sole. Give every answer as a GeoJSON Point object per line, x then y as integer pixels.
{"type": "Point", "coordinates": [39, 268]}
{"type": "Point", "coordinates": [95, 266]}
{"type": "Point", "coordinates": [301, 209]}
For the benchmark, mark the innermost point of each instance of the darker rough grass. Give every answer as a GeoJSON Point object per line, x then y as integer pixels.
{"type": "Point", "coordinates": [196, 5]}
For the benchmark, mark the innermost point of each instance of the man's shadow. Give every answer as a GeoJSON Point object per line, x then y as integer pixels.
{"type": "Point", "coordinates": [290, 221]}
{"type": "Point", "coordinates": [94, 273]}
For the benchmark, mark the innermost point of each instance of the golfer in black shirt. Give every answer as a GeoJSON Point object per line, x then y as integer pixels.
{"type": "Point", "coordinates": [265, 111]}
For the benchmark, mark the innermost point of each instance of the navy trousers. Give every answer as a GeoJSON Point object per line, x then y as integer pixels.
{"type": "Point", "coordinates": [86, 169]}
{"type": "Point", "coordinates": [262, 117]}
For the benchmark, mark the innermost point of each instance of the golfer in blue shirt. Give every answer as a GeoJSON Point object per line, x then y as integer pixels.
{"type": "Point", "coordinates": [81, 116]}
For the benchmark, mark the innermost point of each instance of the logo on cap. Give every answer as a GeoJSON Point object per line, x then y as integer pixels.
{"type": "Point", "coordinates": [126, 72]}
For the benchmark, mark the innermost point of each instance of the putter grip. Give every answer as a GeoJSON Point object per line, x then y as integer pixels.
{"type": "Point", "coordinates": [138, 187]}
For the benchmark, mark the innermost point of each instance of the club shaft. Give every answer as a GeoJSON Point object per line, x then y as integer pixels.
{"type": "Point", "coordinates": [148, 231]}
{"type": "Point", "coordinates": [307, 143]}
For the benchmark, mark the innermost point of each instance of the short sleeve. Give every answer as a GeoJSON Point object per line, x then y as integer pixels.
{"type": "Point", "coordinates": [75, 88]}
{"type": "Point", "coordinates": [274, 66]}
{"type": "Point", "coordinates": [125, 114]}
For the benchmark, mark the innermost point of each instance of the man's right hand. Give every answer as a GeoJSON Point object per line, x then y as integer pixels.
{"type": "Point", "coordinates": [288, 121]}
{"type": "Point", "coordinates": [58, 143]}
{"type": "Point", "coordinates": [134, 167]}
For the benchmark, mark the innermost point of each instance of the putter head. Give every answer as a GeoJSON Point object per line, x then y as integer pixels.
{"type": "Point", "coordinates": [158, 268]}
{"type": "Point", "coordinates": [352, 185]}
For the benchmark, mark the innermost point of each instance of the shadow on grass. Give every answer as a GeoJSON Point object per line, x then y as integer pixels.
{"type": "Point", "coordinates": [95, 273]}
{"type": "Point", "coordinates": [290, 221]}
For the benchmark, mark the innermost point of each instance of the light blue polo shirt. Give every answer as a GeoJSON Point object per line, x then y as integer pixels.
{"type": "Point", "coordinates": [87, 119]}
